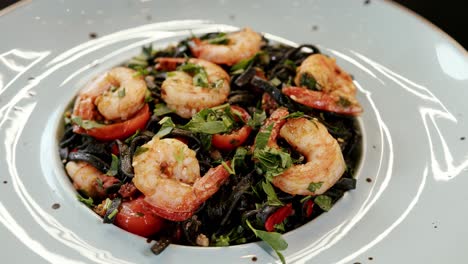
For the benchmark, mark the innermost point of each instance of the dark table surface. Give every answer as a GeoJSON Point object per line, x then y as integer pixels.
{"type": "Point", "coordinates": [449, 15]}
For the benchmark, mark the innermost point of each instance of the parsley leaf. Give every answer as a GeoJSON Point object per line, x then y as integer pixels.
{"type": "Point", "coordinates": [273, 239]}
{"type": "Point", "coordinates": [220, 39]}
{"type": "Point", "coordinates": [271, 161]}
{"type": "Point", "coordinates": [324, 202]}
{"type": "Point", "coordinates": [272, 198]}
{"type": "Point", "coordinates": [161, 109]}
{"type": "Point", "coordinates": [166, 127]}
{"type": "Point", "coordinates": [313, 186]}
{"type": "Point", "coordinates": [139, 150]}
{"type": "Point", "coordinates": [88, 202]}
{"type": "Point", "coordinates": [200, 77]}
{"type": "Point", "coordinates": [228, 168]}
{"type": "Point", "coordinates": [238, 161]}
{"type": "Point", "coordinates": [130, 139]}
{"type": "Point", "coordinates": [308, 81]}
{"type": "Point", "coordinates": [114, 168]}
{"type": "Point", "coordinates": [86, 124]}
{"type": "Point", "coordinates": [211, 121]}
{"type": "Point", "coordinates": [121, 92]}
{"type": "Point", "coordinates": [257, 119]}
{"type": "Point", "coordinates": [261, 140]}
{"type": "Point", "coordinates": [294, 115]}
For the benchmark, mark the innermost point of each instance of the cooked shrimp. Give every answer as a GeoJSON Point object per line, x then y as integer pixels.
{"type": "Point", "coordinates": [89, 180]}
{"type": "Point", "coordinates": [336, 91]}
{"type": "Point", "coordinates": [241, 45]}
{"type": "Point", "coordinates": [168, 174]}
{"type": "Point", "coordinates": [325, 164]}
{"type": "Point", "coordinates": [184, 95]}
{"type": "Point", "coordinates": [115, 95]}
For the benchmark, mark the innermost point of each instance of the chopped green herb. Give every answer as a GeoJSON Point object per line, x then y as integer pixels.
{"type": "Point", "coordinates": [170, 74]}
{"type": "Point", "coordinates": [273, 239]}
{"type": "Point", "coordinates": [238, 161]}
{"type": "Point", "coordinates": [261, 140]}
{"type": "Point", "coordinates": [166, 127]}
{"type": "Point", "coordinates": [308, 197]}
{"type": "Point", "coordinates": [86, 124]}
{"type": "Point", "coordinates": [271, 162]}
{"type": "Point", "coordinates": [271, 194]}
{"type": "Point", "coordinates": [179, 155]}
{"type": "Point", "coordinates": [275, 81]}
{"type": "Point", "coordinates": [140, 214]}
{"type": "Point", "coordinates": [130, 139]}
{"type": "Point", "coordinates": [114, 168]}
{"type": "Point", "coordinates": [221, 241]}
{"type": "Point", "coordinates": [228, 168]}
{"type": "Point", "coordinates": [139, 150]}
{"type": "Point", "coordinates": [257, 120]}
{"type": "Point", "coordinates": [205, 140]}
{"type": "Point", "coordinates": [344, 102]}
{"type": "Point", "coordinates": [313, 186]}
{"type": "Point", "coordinates": [99, 182]}
{"type": "Point", "coordinates": [161, 109]}
{"type": "Point", "coordinates": [324, 202]}
{"type": "Point", "coordinates": [107, 204]}
{"type": "Point", "coordinates": [280, 227]}
{"type": "Point", "coordinates": [211, 121]}
{"type": "Point", "coordinates": [217, 84]}
{"type": "Point", "coordinates": [88, 202]}
{"type": "Point", "coordinates": [294, 115]}
{"type": "Point", "coordinates": [200, 77]}
{"type": "Point", "coordinates": [141, 72]}
{"type": "Point", "coordinates": [114, 88]}
{"type": "Point", "coordinates": [220, 39]}
{"type": "Point", "coordinates": [113, 214]}
{"type": "Point", "coordinates": [308, 81]}
{"type": "Point", "coordinates": [290, 64]}
{"type": "Point", "coordinates": [121, 92]}
{"type": "Point", "coordinates": [148, 96]}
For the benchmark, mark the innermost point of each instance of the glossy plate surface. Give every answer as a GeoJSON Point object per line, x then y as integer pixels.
{"type": "Point", "coordinates": [410, 202]}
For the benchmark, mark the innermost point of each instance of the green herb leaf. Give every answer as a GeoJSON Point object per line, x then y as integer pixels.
{"type": "Point", "coordinates": [170, 74]}
{"type": "Point", "coordinates": [308, 81]}
{"type": "Point", "coordinates": [271, 162]}
{"type": "Point", "coordinates": [86, 124]}
{"type": "Point", "coordinates": [139, 150]}
{"type": "Point", "coordinates": [200, 77]}
{"type": "Point", "coordinates": [275, 81]}
{"type": "Point", "coordinates": [221, 241]}
{"type": "Point", "coordinates": [290, 64]}
{"type": "Point", "coordinates": [166, 127]}
{"type": "Point", "coordinates": [238, 161]}
{"type": "Point", "coordinates": [257, 120]}
{"type": "Point", "coordinates": [306, 198]}
{"type": "Point", "coordinates": [130, 139]}
{"type": "Point", "coordinates": [313, 186]}
{"type": "Point", "coordinates": [148, 96]}
{"type": "Point", "coordinates": [273, 239]}
{"type": "Point", "coordinates": [324, 202]}
{"type": "Point", "coordinates": [161, 109]}
{"type": "Point", "coordinates": [99, 182]}
{"type": "Point", "coordinates": [220, 39]}
{"type": "Point", "coordinates": [114, 168]}
{"type": "Point", "coordinates": [261, 140]}
{"type": "Point", "coordinates": [294, 115]}
{"type": "Point", "coordinates": [179, 155]}
{"type": "Point", "coordinates": [344, 102]}
{"type": "Point", "coordinates": [228, 168]}
{"type": "Point", "coordinates": [88, 202]}
{"type": "Point", "coordinates": [211, 121]}
{"type": "Point", "coordinates": [121, 92]}
{"type": "Point", "coordinates": [113, 214]}
{"type": "Point", "coordinates": [217, 84]}
{"type": "Point", "coordinates": [140, 214]}
{"type": "Point", "coordinates": [272, 198]}
{"type": "Point", "coordinates": [107, 204]}
{"type": "Point", "coordinates": [205, 140]}
{"type": "Point", "coordinates": [243, 64]}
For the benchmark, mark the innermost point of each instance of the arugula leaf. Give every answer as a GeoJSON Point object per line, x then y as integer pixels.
{"type": "Point", "coordinates": [86, 124]}
{"type": "Point", "coordinates": [114, 168]}
{"type": "Point", "coordinates": [166, 127]}
{"type": "Point", "coordinates": [313, 186]}
{"type": "Point", "coordinates": [324, 202]}
{"type": "Point", "coordinates": [88, 202]}
{"type": "Point", "coordinates": [272, 198]}
{"type": "Point", "coordinates": [161, 109]}
{"type": "Point", "coordinates": [211, 121]}
{"type": "Point", "coordinates": [273, 239]}
{"type": "Point", "coordinates": [139, 150]}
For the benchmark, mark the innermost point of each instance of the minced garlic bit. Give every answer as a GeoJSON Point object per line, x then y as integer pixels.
{"type": "Point", "coordinates": [202, 240]}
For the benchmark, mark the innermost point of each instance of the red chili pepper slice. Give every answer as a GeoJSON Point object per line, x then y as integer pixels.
{"type": "Point", "coordinates": [278, 217]}
{"type": "Point", "coordinates": [308, 207]}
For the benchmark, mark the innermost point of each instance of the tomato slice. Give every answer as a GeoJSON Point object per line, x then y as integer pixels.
{"type": "Point", "coordinates": [278, 217]}
{"type": "Point", "coordinates": [119, 130]}
{"type": "Point", "coordinates": [235, 138]}
{"type": "Point", "coordinates": [138, 217]}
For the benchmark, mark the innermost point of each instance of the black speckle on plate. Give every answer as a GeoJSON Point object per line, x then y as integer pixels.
{"type": "Point", "coordinates": [368, 180]}
{"type": "Point", "coordinates": [93, 35]}
{"type": "Point", "coordinates": [371, 258]}
{"type": "Point", "coordinates": [149, 17]}
{"type": "Point", "coordinates": [315, 28]}
{"type": "Point", "coordinates": [232, 17]}
{"type": "Point", "coordinates": [366, 2]}
{"type": "Point", "coordinates": [254, 258]}
{"type": "Point", "coordinates": [5, 182]}
{"type": "Point", "coordinates": [462, 138]}
{"type": "Point", "coordinates": [55, 206]}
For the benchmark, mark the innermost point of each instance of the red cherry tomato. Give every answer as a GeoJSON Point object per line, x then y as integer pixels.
{"type": "Point", "coordinates": [119, 130]}
{"type": "Point", "coordinates": [235, 138]}
{"type": "Point", "coordinates": [138, 217]}
{"type": "Point", "coordinates": [278, 217]}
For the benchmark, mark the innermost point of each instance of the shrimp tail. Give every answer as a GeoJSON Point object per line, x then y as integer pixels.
{"type": "Point", "coordinates": [210, 183]}
{"type": "Point", "coordinates": [322, 101]}
{"type": "Point", "coordinates": [196, 47]}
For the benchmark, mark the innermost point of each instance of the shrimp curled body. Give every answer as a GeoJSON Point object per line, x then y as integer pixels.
{"type": "Point", "coordinates": [115, 95]}
{"type": "Point", "coordinates": [336, 91]}
{"type": "Point", "coordinates": [168, 174]}
{"type": "Point", "coordinates": [325, 163]}
{"type": "Point", "coordinates": [241, 45]}
{"type": "Point", "coordinates": [186, 98]}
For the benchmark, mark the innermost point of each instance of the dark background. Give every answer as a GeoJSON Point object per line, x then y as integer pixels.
{"type": "Point", "coordinates": [449, 15]}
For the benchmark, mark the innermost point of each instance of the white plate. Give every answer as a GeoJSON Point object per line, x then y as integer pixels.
{"type": "Point", "coordinates": [413, 82]}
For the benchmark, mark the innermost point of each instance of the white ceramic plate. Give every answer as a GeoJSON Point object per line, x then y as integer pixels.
{"type": "Point", "coordinates": [413, 82]}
